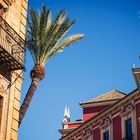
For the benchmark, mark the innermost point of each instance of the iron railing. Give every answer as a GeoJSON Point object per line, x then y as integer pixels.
{"type": "Point", "coordinates": [11, 46]}
{"type": "Point", "coordinates": [9, 2]}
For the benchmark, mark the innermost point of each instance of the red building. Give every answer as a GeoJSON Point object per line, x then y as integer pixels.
{"type": "Point", "coordinates": [111, 116]}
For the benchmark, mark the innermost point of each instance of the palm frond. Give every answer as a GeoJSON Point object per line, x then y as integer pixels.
{"type": "Point", "coordinates": [33, 22]}
{"type": "Point", "coordinates": [63, 44]}
{"type": "Point", "coordinates": [46, 35]}
{"type": "Point", "coordinates": [32, 50]}
{"type": "Point", "coordinates": [65, 27]}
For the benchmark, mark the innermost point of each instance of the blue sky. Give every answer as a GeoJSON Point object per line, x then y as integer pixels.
{"type": "Point", "coordinates": [100, 62]}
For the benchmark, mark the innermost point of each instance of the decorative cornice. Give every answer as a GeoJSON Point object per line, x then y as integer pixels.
{"type": "Point", "coordinates": [86, 133]}
{"type": "Point", "coordinates": [127, 109]}
{"type": "Point", "coordinates": [105, 122]}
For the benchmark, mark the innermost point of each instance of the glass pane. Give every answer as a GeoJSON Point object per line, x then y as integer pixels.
{"type": "Point", "coordinates": [106, 135]}
{"type": "Point", "coordinates": [128, 126]}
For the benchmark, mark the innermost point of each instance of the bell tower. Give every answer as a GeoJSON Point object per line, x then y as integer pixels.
{"type": "Point", "coordinates": [13, 16]}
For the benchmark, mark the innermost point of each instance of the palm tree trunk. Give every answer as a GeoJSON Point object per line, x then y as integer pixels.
{"type": "Point", "coordinates": [27, 99]}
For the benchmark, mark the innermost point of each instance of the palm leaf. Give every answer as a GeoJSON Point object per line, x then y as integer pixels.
{"type": "Point", "coordinates": [65, 43]}
{"type": "Point", "coordinates": [46, 35]}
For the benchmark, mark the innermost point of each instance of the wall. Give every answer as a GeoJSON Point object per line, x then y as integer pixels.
{"type": "Point", "coordinates": [92, 111]}
{"type": "Point", "coordinates": [117, 130]}
{"type": "Point", "coordinates": [74, 124]}
{"type": "Point", "coordinates": [96, 134]}
{"type": "Point", "coordinates": [16, 17]}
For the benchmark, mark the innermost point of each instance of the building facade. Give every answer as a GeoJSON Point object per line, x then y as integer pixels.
{"type": "Point", "coordinates": [13, 15]}
{"type": "Point", "coordinates": [111, 116]}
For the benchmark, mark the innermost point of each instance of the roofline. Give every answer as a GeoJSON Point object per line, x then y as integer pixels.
{"type": "Point", "coordinates": [92, 118]}
{"type": "Point", "coordinates": [121, 92]}
{"type": "Point", "coordinates": [95, 104]}
{"type": "Point", "coordinates": [104, 100]}
{"type": "Point", "coordinates": [76, 122]}
{"type": "Point", "coordinates": [68, 129]}
{"type": "Point", "coordinates": [65, 130]}
{"type": "Point", "coordinates": [82, 103]}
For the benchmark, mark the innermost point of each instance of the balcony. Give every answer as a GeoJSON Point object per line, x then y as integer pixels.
{"type": "Point", "coordinates": [11, 47]}
{"type": "Point", "coordinates": [9, 2]}
{"type": "Point", "coordinates": [131, 137]}
{"type": "Point", "coordinates": [6, 3]}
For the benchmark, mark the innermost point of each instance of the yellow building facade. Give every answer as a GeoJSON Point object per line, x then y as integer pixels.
{"type": "Point", "coordinates": [13, 16]}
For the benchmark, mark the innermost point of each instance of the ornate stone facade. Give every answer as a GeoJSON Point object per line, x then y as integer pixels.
{"type": "Point", "coordinates": [13, 15]}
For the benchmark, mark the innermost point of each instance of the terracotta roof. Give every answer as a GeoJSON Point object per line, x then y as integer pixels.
{"type": "Point", "coordinates": [109, 96]}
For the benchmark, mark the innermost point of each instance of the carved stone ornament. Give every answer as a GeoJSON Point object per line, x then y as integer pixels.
{"type": "Point", "coordinates": [127, 109]}
{"type": "Point", "coordinates": [86, 133]}
{"type": "Point", "coordinates": [104, 123]}
{"type": "Point", "coordinates": [89, 131]}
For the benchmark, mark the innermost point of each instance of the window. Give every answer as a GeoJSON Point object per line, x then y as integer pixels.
{"type": "Point", "coordinates": [106, 136]}
{"type": "Point", "coordinates": [128, 129]}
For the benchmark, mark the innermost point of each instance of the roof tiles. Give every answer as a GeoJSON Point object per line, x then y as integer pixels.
{"type": "Point", "coordinates": [109, 96]}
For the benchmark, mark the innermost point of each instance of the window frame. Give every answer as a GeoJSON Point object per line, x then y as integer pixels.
{"type": "Point", "coordinates": [124, 119]}
{"type": "Point", "coordinates": [105, 130]}
{"type": "Point", "coordinates": [126, 123]}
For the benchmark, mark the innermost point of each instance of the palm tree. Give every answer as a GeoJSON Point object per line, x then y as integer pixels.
{"type": "Point", "coordinates": [45, 39]}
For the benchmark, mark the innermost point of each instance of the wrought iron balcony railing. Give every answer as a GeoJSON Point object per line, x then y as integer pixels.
{"type": "Point", "coordinates": [6, 3]}
{"type": "Point", "coordinates": [9, 2]}
{"type": "Point", "coordinates": [11, 47]}
{"type": "Point", "coordinates": [131, 137]}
